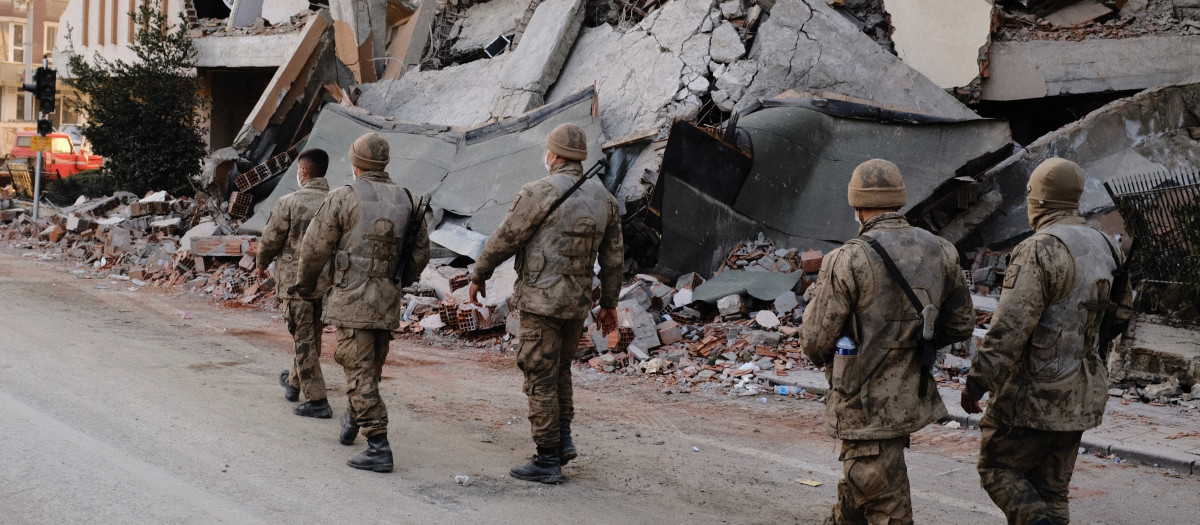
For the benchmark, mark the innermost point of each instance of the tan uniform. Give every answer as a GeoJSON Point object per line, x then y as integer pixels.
{"type": "Point", "coordinates": [280, 242]}
{"type": "Point", "coordinates": [362, 227]}
{"type": "Point", "coordinates": [555, 264]}
{"type": "Point", "coordinates": [1041, 362]}
{"type": "Point", "coordinates": [873, 403]}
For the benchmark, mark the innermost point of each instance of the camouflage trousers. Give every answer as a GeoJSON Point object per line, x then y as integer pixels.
{"type": "Point", "coordinates": [304, 323]}
{"type": "Point", "coordinates": [1026, 471]}
{"type": "Point", "coordinates": [548, 345]}
{"type": "Point", "coordinates": [361, 352]}
{"type": "Point", "coordinates": [874, 489]}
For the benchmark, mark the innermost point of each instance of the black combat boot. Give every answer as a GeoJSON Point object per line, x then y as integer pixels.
{"type": "Point", "coordinates": [349, 430]}
{"type": "Point", "coordinates": [544, 468]}
{"type": "Point", "coordinates": [318, 409]}
{"type": "Point", "coordinates": [290, 392]}
{"type": "Point", "coordinates": [377, 457]}
{"type": "Point", "coordinates": [566, 449]}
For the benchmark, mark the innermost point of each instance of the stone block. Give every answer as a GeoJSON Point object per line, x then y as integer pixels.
{"type": "Point", "coordinates": [726, 45]}
{"type": "Point", "coordinates": [731, 305]}
{"type": "Point", "coordinates": [766, 319]}
{"type": "Point", "coordinates": [786, 302]}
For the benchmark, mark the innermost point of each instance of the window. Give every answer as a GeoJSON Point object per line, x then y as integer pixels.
{"type": "Point", "coordinates": [16, 43]}
{"type": "Point", "coordinates": [51, 34]}
{"type": "Point", "coordinates": [60, 145]}
{"type": "Point", "coordinates": [24, 141]}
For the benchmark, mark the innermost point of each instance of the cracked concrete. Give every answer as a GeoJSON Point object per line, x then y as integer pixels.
{"type": "Point", "coordinates": [806, 46]}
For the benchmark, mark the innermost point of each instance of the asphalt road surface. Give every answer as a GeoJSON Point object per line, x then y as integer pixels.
{"type": "Point", "coordinates": [123, 406]}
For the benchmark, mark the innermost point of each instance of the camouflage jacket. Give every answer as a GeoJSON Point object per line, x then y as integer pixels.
{"type": "Point", "coordinates": [285, 229]}
{"type": "Point", "coordinates": [875, 394]}
{"type": "Point", "coordinates": [1040, 276]}
{"type": "Point", "coordinates": [373, 303]}
{"type": "Point", "coordinates": [569, 296]}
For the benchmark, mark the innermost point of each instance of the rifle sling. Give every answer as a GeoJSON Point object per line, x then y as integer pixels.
{"type": "Point", "coordinates": [912, 297]}
{"type": "Point", "coordinates": [594, 170]}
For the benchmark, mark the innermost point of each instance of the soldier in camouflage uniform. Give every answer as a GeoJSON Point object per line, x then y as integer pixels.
{"type": "Point", "coordinates": [362, 227]}
{"type": "Point", "coordinates": [280, 242]}
{"type": "Point", "coordinates": [1041, 359]}
{"type": "Point", "coordinates": [874, 402]}
{"type": "Point", "coordinates": [555, 257]}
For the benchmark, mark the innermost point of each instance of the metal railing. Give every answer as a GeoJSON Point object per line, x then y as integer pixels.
{"type": "Point", "coordinates": [1162, 210]}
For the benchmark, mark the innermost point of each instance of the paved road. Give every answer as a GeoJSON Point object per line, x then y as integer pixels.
{"type": "Point", "coordinates": [116, 409]}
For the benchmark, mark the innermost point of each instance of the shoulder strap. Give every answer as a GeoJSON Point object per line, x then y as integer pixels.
{"type": "Point", "coordinates": [927, 353]}
{"type": "Point", "coordinates": [600, 164]}
{"type": "Point", "coordinates": [895, 273]}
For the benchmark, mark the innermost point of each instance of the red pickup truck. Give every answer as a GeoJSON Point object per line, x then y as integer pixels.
{"type": "Point", "coordinates": [63, 159]}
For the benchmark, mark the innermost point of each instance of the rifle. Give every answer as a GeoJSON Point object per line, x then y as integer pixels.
{"type": "Point", "coordinates": [1110, 328]}
{"type": "Point", "coordinates": [410, 238]}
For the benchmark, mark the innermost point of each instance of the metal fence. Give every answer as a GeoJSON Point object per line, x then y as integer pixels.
{"type": "Point", "coordinates": [1162, 211]}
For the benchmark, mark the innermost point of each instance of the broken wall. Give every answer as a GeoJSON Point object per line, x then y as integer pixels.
{"type": "Point", "coordinates": [1144, 133]}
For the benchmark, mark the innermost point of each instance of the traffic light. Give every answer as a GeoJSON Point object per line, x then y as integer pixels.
{"type": "Point", "coordinates": [43, 88]}
{"type": "Point", "coordinates": [46, 79]}
{"type": "Point", "coordinates": [45, 127]}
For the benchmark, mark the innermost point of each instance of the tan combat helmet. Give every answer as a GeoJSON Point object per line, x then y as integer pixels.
{"type": "Point", "coordinates": [370, 152]}
{"type": "Point", "coordinates": [1056, 184]}
{"type": "Point", "coordinates": [568, 141]}
{"type": "Point", "coordinates": [876, 183]}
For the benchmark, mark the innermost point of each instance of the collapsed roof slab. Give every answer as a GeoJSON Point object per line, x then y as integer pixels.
{"type": "Point", "coordinates": [473, 173]}
{"type": "Point", "coordinates": [1143, 133]}
{"type": "Point", "coordinates": [1046, 68]}
{"type": "Point", "coordinates": [807, 46]}
{"type": "Point", "coordinates": [457, 96]}
{"type": "Point", "coordinates": [794, 189]}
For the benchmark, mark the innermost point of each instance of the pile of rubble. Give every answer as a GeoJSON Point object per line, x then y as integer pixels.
{"type": "Point", "coordinates": [1093, 19]}
{"type": "Point", "coordinates": [157, 241]}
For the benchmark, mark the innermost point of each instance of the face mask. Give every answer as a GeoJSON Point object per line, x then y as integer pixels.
{"type": "Point", "coordinates": [546, 163]}
{"type": "Point", "coordinates": [299, 183]}
{"type": "Point", "coordinates": [856, 219]}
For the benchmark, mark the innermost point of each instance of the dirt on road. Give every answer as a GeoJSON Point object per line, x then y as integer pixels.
{"type": "Point", "coordinates": [142, 406]}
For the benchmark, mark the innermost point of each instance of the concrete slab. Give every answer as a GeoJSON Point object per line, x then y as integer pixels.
{"type": "Point", "coordinates": [455, 96]}
{"type": "Point", "coordinates": [807, 46]}
{"type": "Point", "coordinates": [246, 50]}
{"type": "Point", "coordinates": [1154, 351]}
{"type": "Point", "coordinates": [944, 48]}
{"type": "Point", "coordinates": [1041, 68]}
{"type": "Point", "coordinates": [537, 61]}
{"type": "Point", "coordinates": [634, 78]}
{"type": "Point", "coordinates": [1144, 133]}
{"type": "Point", "coordinates": [473, 173]}
{"type": "Point", "coordinates": [483, 22]}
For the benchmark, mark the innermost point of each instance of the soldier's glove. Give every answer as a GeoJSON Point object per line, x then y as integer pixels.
{"type": "Point", "coordinates": [303, 292]}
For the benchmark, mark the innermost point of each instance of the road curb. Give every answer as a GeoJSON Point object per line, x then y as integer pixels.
{"type": "Point", "coordinates": [1182, 463]}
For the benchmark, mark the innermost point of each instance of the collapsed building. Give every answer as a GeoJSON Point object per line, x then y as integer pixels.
{"type": "Point", "coordinates": [719, 122]}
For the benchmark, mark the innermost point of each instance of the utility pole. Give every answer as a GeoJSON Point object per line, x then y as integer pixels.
{"type": "Point", "coordinates": [29, 56]}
